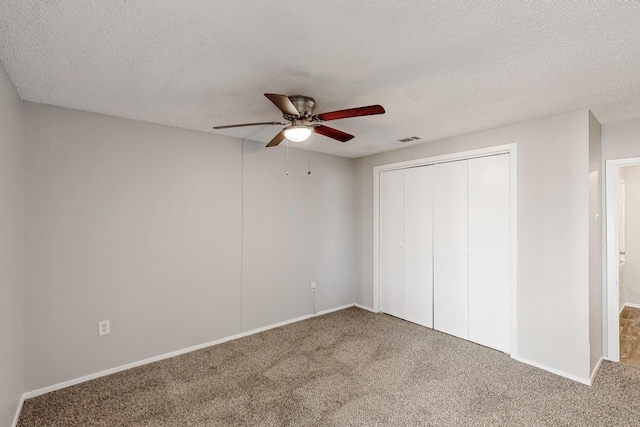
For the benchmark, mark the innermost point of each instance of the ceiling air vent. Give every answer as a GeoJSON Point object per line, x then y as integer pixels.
{"type": "Point", "coordinates": [405, 140]}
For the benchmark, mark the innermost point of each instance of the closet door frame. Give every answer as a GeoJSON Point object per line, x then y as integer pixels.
{"type": "Point", "coordinates": [510, 149]}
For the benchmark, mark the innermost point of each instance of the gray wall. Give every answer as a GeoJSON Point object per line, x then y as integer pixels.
{"type": "Point", "coordinates": [553, 232]}
{"type": "Point", "coordinates": [621, 140]}
{"type": "Point", "coordinates": [298, 228]}
{"type": "Point", "coordinates": [143, 225]}
{"type": "Point", "coordinates": [11, 121]}
{"type": "Point", "coordinates": [595, 241]}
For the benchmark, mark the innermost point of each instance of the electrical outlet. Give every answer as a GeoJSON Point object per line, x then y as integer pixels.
{"type": "Point", "coordinates": [313, 286]}
{"type": "Point", "coordinates": [104, 328]}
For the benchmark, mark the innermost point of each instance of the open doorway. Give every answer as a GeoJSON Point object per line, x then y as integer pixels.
{"type": "Point", "coordinates": [623, 260]}
{"type": "Point", "coordinates": [629, 263]}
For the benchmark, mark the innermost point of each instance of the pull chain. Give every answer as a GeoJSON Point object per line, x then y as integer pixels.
{"type": "Point", "coordinates": [287, 157]}
{"type": "Point", "coordinates": [309, 151]}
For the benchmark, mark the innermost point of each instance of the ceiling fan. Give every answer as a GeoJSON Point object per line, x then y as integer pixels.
{"type": "Point", "coordinates": [297, 110]}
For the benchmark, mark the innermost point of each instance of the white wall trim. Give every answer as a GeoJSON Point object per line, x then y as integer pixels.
{"type": "Point", "coordinates": [512, 150]}
{"type": "Point", "coordinates": [595, 370]}
{"type": "Point", "coordinates": [462, 155]}
{"type": "Point", "coordinates": [513, 279]}
{"type": "Point", "coordinates": [631, 304]}
{"type": "Point", "coordinates": [576, 378]}
{"type": "Point", "coordinates": [613, 295]}
{"type": "Point", "coordinates": [59, 386]}
{"type": "Point", "coordinates": [364, 307]}
{"type": "Point", "coordinates": [18, 410]}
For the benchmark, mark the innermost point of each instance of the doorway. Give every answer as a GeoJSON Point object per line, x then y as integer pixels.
{"type": "Point", "coordinates": [623, 260]}
{"type": "Point", "coordinates": [628, 263]}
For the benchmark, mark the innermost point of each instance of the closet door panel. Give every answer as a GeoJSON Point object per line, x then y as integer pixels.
{"type": "Point", "coordinates": [392, 242]}
{"type": "Point", "coordinates": [489, 243]}
{"type": "Point", "coordinates": [450, 250]}
{"type": "Point", "coordinates": [418, 246]}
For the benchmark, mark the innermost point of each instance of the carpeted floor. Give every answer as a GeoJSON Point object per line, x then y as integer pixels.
{"type": "Point", "coordinates": [350, 367]}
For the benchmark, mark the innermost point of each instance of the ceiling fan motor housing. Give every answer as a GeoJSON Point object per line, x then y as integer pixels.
{"type": "Point", "coordinates": [304, 105]}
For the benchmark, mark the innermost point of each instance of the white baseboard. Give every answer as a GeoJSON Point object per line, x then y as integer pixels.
{"type": "Point", "coordinates": [54, 387]}
{"type": "Point", "coordinates": [18, 410]}
{"type": "Point", "coordinates": [364, 307]}
{"type": "Point", "coordinates": [631, 304]}
{"type": "Point", "coordinates": [595, 370]}
{"type": "Point", "coordinates": [576, 378]}
{"type": "Point", "coordinates": [331, 310]}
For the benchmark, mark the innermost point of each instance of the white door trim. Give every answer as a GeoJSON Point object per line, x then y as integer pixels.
{"type": "Point", "coordinates": [511, 149]}
{"type": "Point", "coordinates": [613, 295]}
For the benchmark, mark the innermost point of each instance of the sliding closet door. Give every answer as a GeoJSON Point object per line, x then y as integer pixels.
{"type": "Point", "coordinates": [489, 242]}
{"type": "Point", "coordinates": [450, 255]}
{"type": "Point", "coordinates": [392, 242]}
{"type": "Point", "coordinates": [418, 248]}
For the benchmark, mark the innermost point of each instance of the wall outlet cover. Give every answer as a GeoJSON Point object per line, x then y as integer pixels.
{"type": "Point", "coordinates": [104, 328]}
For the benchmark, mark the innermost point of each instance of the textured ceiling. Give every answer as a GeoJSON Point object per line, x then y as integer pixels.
{"type": "Point", "coordinates": [440, 69]}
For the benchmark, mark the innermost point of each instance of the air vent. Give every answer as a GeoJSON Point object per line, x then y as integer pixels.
{"type": "Point", "coordinates": [405, 140]}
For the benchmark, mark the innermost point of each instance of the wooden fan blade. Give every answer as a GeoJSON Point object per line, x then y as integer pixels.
{"type": "Point", "coordinates": [333, 133]}
{"type": "Point", "coordinates": [248, 124]}
{"type": "Point", "coordinates": [276, 139]}
{"type": "Point", "coordinates": [351, 112]}
{"type": "Point", "coordinates": [283, 103]}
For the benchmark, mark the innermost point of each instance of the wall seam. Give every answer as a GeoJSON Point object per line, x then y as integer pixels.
{"type": "Point", "coordinates": [241, 233]}
{"type": "Point", "coordinates": [22, 245]}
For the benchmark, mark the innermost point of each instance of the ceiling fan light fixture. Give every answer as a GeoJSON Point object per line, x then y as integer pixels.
{"type": "Point", "coordinates": [297, 133]}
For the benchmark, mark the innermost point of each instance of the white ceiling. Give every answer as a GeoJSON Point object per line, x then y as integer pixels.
{"type": "Point", "coordinates": [440, 69]}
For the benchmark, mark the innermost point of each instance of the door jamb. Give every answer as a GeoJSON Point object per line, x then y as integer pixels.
{"type": "Point", "coordinates": [613, 295]}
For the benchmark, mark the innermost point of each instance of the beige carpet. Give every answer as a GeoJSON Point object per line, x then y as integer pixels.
{"type": "Point", "coordinates": [351, 367]}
